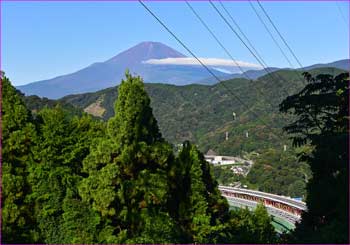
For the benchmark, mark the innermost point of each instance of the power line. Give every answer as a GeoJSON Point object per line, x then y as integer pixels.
{"type": "Point", "coordinates": [225, 49]}
{"type": "Point", "coordinates": [269, 71]}
{"type": "Point", "coordinates": [274, 40]}
{"type": "Point", "coordinates": [242, 33]}
{"type": "Point", "coordinates": [268, 30]}
{"type": "Point", "coordinates": [188, 50]}
{"type": "Point", "coordinates": [280, 35]}
{"type": "Point", "coordinates": [341, 13]}
{"type": "Point", "coordinates": [256, 55]}
{"type": "Point", "coordinates": [217, 40]}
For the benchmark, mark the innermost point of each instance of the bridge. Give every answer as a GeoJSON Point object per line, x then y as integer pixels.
{"type": "Point", "coordinates": [279, 207]}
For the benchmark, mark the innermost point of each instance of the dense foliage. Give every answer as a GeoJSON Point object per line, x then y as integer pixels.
{"type": "Point", "coordinates": [62, 145]}
{"type": "Point", "coordinates": [225, 176]}
{"type": "Point", "coordinates": [18, 141]}
{"type": "Point", "coordinates": [253, 227]}
{"type": "Point", "coordinates": [274, 171]}
{"type": "Point", "coordinates": [279, 172]}
{"type": "Point", "coordinates": [322, 110]}
{"type": "Point", "coordinates": [203, 114]}
{"type": "Point", "coordinates": [74, 179]}
{"type": "Point", "coordinates": [69, 178]}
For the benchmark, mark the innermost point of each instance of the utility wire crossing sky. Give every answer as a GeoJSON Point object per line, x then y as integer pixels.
{"type": "Point", "coordinates": [41, 40]}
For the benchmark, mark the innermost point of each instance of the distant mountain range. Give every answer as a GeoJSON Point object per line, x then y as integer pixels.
{"type": "Point", "coordinates": [340, 64]}
{"type": "Point", "coordinates": [109, 73]}
{"type": "Point", "coordinates": [255, 74]}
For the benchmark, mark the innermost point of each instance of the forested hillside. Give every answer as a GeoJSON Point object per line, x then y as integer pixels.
{"type": "Point", "coordinates": [73, 179]}
{"type": "Point", "coordinates": [34, 103]}
{"type": "Point", "coordinates": [203, 114]}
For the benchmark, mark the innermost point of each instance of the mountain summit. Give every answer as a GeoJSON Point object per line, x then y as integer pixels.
{"type": "Point", "coordinates": [145, 51]}
{"type": "Point", "coordinates": [109, 73]}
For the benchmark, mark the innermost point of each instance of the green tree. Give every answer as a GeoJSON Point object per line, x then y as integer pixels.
{"type": "Point", "coordinates": [202, 211]}
{"type": "Point", "coordinates": [263, 230]}
{"type": "Point", "coordinates": [127, 180]}
{"type": "Point", "coordinates": [18, 140]}
{"type": "Point", "coordinates": [322, 118]}
{"type": "Point", "coordinates": [63, 144]}
{"type": "Point", "coordinates": [252, 226]}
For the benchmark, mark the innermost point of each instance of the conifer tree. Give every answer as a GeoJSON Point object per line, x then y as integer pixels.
{"type": "Point", "coordinates": [18, 139]}
{"type": "Point", "coordinates": [127, 183]}
{"type": "Point", "coordinates": [203, 212]}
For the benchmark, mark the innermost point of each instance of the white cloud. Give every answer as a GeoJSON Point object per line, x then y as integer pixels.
{"type": "Point", "coordinates": [222, 70]}
{"type": "Point", "coordinates": [206, 61]}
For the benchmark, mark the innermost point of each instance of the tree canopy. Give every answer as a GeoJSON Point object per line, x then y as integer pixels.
{"type": "Point", "coordinates": [69, 178]}
{"type": "Point", "coordinates": [18, 141]}
{"type": "Point", "coordinates": [322, 119]}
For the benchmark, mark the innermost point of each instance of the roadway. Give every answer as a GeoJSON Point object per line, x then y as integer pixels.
{"type": "Point", "coordinates": [289, 217]}
{"type": "Point", "coordinates": [286, 200]}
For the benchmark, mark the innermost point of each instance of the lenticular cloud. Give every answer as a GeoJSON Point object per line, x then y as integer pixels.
{"type": "Point", "coordinates": [206, 61]}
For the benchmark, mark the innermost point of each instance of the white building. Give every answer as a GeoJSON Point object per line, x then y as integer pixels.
{"type": "Point", "coordinates": [221, 160]}
{"type": "Point", "coordinates": [215, 159]}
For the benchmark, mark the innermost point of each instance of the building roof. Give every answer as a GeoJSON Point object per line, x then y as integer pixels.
{"type": "Point", "coordinates": [211, 153]}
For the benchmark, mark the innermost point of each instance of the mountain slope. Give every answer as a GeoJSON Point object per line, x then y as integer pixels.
{"type": "Point", "coordinates": [109, 73]}
{"type": "Point", "coordinates": [255, 74]}
{"type": "Point", "coordinates": [203, 113]}
{"type": "Point", "coordinates": [340, 64]}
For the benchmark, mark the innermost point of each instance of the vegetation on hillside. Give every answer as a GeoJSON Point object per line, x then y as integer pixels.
{"type": "Point", "coordinates": [279, 172]}
{"type": "Point", "coordinates": [225, 176]}
{"type": "Point", "coordinates": [274, 171]}
{"type": "Point", "coordinates": [69, 178]}
{"type": "Point", "coordinates": [203, 115]}
{"type": "Point", "coordinates": [35, 104]}
{"type": "Point", "coordinates": [74, 179]}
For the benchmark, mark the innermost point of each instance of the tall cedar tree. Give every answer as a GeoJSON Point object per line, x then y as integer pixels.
{"type": "Point", "coordinates": [128, 173]}
{"type": "Point", "coordinates": [322, 110]}
{"type": "Point", "coordinates": [202, 211]}
{"type": "Point", "coordinates": [18, 140]}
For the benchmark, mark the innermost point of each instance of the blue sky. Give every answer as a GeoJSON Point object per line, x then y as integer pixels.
{"type": "Point", "coordinates": [41, 40]}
